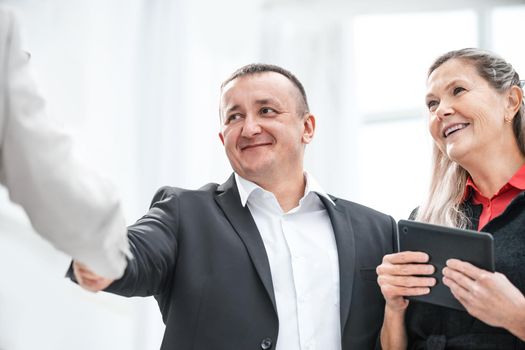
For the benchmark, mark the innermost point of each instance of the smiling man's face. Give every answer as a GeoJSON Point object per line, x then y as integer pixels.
{"type": "Point", "coordinates": [264, 130]}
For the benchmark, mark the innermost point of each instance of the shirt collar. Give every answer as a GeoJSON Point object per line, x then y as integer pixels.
{"type": "Point", "coordinates": [247, 187]}
{"type": "Point", "coordinates": [517, 181]}
{"type": "Point", "coordinates": [470, 188]}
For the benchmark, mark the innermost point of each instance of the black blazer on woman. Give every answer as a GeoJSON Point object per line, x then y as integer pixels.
{"type": "Point", "coordinates": [434, 327]}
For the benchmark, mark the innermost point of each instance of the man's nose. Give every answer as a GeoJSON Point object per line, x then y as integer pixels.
{"type": "Point", "coordinates": [251, 126]}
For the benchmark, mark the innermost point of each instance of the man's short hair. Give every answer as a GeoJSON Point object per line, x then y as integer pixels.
{"type": "Point", "coordinates": [255, 68]}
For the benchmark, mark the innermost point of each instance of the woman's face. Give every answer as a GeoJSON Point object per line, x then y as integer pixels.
{"type": "Point", "coordinates": [467, 115]}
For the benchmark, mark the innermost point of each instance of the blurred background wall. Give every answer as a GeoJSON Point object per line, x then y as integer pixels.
{"type": "Point", "coordinates": [137, 83]}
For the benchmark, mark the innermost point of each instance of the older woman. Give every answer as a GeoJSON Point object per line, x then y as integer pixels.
{"type": "Point", "coordinates": [477, 121]}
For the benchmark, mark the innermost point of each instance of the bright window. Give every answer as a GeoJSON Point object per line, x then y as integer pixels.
{"type": "Point", "coordinates": [507, 36]}
{"type": "Point", "coordinates": [394, 145]}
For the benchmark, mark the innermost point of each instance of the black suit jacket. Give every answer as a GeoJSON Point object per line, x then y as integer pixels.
{"type": "Point", "coordinates": [200, 254]}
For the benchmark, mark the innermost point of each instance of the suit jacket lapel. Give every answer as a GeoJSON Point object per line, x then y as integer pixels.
{"type": "Point", "coordinates": [242, 221]}
{"type": "Point", "coordinates": [344, 237]}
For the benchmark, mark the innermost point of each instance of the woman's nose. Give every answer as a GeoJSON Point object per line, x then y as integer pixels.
{"type": "Point", "coordinates": [444, 110]}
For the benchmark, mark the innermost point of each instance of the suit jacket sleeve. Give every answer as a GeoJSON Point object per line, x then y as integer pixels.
{"type": "Point", "coordinates": [153, 241]}
{"type": "Point", "coordinates": [67, 203]}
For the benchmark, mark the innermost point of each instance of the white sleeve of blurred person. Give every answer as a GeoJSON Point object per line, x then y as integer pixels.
{"type": "Point", "coordinates": [67, 203]}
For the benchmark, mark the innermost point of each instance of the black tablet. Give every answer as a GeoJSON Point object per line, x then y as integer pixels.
{"type": "Point", "coordinates": [442, 243]}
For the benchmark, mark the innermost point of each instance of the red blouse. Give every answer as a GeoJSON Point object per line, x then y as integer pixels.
{"type": "Point", "coordinates": [494, 206]}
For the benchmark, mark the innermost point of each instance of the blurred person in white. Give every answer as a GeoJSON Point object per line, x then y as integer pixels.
{"type": "Point", "coordinates": [67, 203]}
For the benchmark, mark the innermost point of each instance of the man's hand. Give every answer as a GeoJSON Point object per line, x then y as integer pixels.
{"type": "Point", "coordinates": [488, 296]}
{"type": "Point", "coordinates": [89, 280]}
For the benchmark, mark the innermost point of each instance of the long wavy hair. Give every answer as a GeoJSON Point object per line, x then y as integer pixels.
{"type": "Point", "coordinates": [443, 202]}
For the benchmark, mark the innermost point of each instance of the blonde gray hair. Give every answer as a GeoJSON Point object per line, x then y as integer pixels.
{"type": "Point", "coordinates": [444, 200]}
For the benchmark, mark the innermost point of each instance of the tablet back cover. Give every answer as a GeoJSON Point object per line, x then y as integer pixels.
{"type": "Point", "coordinates": [442, 243]}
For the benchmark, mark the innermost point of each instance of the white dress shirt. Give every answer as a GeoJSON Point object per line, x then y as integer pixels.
{"type": "Point", "coordinates": [68, 203]}
{"type": "Point", "coordinates": [302, 252]}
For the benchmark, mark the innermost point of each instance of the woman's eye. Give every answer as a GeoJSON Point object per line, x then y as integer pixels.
{"type": "Point", "coordinates": [457, 90]}
{"type": "Point", "coordinates": [432, 105]}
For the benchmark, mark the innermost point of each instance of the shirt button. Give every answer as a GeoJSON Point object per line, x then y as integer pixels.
{"type": "Point", "coordinates": [266, 344]}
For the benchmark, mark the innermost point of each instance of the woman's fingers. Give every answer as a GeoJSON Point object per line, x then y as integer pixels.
{"type": "Point", "coordinates": [406, 257]}
{"type": "Point", "coordinates": [405, 269]}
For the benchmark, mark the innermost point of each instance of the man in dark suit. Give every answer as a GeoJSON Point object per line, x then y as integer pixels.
{"type": "Point", "coordinates": [266, 260]}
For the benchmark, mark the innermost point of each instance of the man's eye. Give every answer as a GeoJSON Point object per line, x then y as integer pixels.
{"type": "Point", "coordinates": [267, 110]}
{"type": "Point", "coordinates": [432, 105]}
{"type": "Point", "coordinates": [457, 90]}
{"type": "Point", "coordinates": [232, 118]}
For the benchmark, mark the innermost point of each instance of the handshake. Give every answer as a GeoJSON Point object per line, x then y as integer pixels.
{"type": "Point", "coordinates": [88, 279]}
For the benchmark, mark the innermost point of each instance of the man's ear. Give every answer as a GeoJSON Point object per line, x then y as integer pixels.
{"type": "Point", "coordinates": [221, 136]}
{"type": "Point", "coordinates": [309, 128]}
{"type": "Point", "coordinates": [514, 101]}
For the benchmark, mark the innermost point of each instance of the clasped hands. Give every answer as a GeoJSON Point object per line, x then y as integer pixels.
{"type": "Point", "coordinates": [89, 280]}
